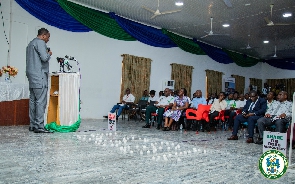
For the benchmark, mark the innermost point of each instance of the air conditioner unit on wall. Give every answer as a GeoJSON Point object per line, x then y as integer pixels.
{"type": "Point", "coordinates": [168, 84]}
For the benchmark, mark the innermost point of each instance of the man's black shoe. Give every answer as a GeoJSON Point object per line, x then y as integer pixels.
{"type": "Point", "coordinates": [158, 127]}
{"type": "Point", "coordinates": [259, 141]}
{"type": "Point", "coordinates": [147, 126]}
{"type": "Point", "coordinates": [41, 130]}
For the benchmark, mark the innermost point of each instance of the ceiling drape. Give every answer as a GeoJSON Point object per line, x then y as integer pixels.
{"type": "Point", "coordinates": [99, 22]}
{"type": "Point", "coordinates": [73, 17]}
{"type": "Point", "coordinates": [53, 14]}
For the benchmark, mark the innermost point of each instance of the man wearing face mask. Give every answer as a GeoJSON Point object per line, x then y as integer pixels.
{"type": "Point", "coordinates": [37, 69]}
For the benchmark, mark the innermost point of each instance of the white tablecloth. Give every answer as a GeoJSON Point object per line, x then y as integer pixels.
{"type": "Point", "coordinates": [13, 91]}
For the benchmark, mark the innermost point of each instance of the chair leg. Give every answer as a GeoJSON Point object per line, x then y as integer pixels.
{"type": "Point", "coordinates": [152, 121]}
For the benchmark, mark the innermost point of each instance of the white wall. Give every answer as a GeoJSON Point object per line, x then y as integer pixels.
{"type": "Point", "coordinates": [100, 61]}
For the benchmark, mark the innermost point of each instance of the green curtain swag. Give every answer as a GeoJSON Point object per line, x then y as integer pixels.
{"type": "Point", "coordinates": [242, 59]}
{"type": "Point", "coordinates": [99, 22]}
{"type": "Point", "coordinates": [58, 128]}
{"type": "Point", "coordinates": [103, 24]}
{"type": "Point", "coordinates": [185, 44]}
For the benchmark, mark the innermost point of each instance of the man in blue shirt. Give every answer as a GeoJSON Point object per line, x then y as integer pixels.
{"type": "Point", "coordinates": [199, 99]}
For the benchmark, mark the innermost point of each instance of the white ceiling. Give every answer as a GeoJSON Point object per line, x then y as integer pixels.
{"type": "Point", "coordinates": [245, 17]}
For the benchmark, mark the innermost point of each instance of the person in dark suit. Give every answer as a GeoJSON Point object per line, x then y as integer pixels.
{"type": "Point", "coordinates": [254, 109]}
{"type": "Point", "coordinates": [37, 69]}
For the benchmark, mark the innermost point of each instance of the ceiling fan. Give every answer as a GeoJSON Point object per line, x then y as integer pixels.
{"type": "Point", "coordinates": [271, 23]}
{"type": "Point", "coordinates": [248, 47]}
{"type": "Point", "coordinates": [210, 33]}
{"type": "Point", "coordinates": [157, 12]}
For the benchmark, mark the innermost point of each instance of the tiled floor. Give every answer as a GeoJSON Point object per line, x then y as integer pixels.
{"type": "Point", "coordinates": [130, 155]}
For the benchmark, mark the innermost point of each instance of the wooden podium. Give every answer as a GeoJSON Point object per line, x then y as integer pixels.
{"type": "Point", "coordinates": [63, 99]}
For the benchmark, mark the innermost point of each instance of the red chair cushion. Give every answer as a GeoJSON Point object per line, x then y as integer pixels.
{"type": "Point", "coordinates": [188, 116]}
{"type": "Point", "coordinates": [203, 112]}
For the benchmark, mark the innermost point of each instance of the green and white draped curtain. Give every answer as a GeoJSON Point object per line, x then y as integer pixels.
{"type": "Point", "coordinates": [71, 16]}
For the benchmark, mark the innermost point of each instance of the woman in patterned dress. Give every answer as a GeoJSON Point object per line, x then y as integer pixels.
{"type": "Point", "coordinates": [181, 103]}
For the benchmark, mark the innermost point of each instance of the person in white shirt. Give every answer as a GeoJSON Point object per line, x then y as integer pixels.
{"type": "Point", "coordinates": [241, 102]}
{"type": "Point", "coordinates": [160, 105]}
{"type": "Point", "coordinates": [152, 97]}
{"type": "Point", "coordinates": [278, 114]}
{"type": "Point", "coordinates": [127, 100]}
{"type": "Point", "coordinates": [270, 99]}
{"type": "Point", "coordinates": [217, 106]}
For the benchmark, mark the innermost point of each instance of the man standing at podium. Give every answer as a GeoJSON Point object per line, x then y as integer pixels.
{"type": "Point", "coordinates": [37, 69]}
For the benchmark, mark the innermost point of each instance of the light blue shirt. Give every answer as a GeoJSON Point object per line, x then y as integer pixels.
{"type": "Point", "coordinates": [196, 101]}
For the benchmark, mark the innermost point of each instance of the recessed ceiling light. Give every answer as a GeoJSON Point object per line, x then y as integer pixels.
{"type": "Point", "coordinates": [225, 25]}
{"type": "Point", "coordinates": [265, 41]}
{"type": "Point", "coordinates": [179, 3]}
{"type": "Point", "coordinates": [287, 14]}
{"type": "Point", "coordinates": [247, 4]}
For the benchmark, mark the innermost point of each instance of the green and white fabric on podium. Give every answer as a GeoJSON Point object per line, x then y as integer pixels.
{"type": "Point", "coordinates": [69, 103]}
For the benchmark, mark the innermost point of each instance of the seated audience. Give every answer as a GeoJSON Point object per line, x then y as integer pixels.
{"type": "Point", "coordinates": [247, 96]}
{"type": "Point", "coordinates": [208, 98]}
{"type": "Point", "coordinates": [211, 99]}
{"type": "Point", "coordinates": [217, 106]}
{"type": "Point", "coordinates": [181, 103]}
{"type": "Point", "coordinates": [279, 114]}
{"type": "Point", "coordinates": [270, 99]}
{"type": "Point", "coordinates": [127, 100]}
{"type": "Point", "coordinates": [252, 111]}
{"type": "Point", "coordinates": [230, 102]}
{"type": "Point", "coordinates": [238, 106]}
{"type": "Point", "coordinates": [160, 105]}
{"type": "Point", "coordinates": [145, 95]}
{"type": "Point", "coordinates": [161, 93]}
{"type": "Point", "coordinates": [250, 88]}
{"type": "Point", "coordinates": [199, 99]}
{"type": "Point", "coordinates": [175, 93]}
{"type": "Point", "coordinates": [171, 92]}
{"type": "Point", "coordinates": [265, 90]}
{"type": "Point", "coordinates": [194, 96]}
{"type": "Point", "coordinates": [152, 97]}
{"type": "Point", "coordinates": [236, 96]}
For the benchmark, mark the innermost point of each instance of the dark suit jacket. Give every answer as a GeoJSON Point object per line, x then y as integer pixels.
{"type": "Point", "coordinates": [259, 108]}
